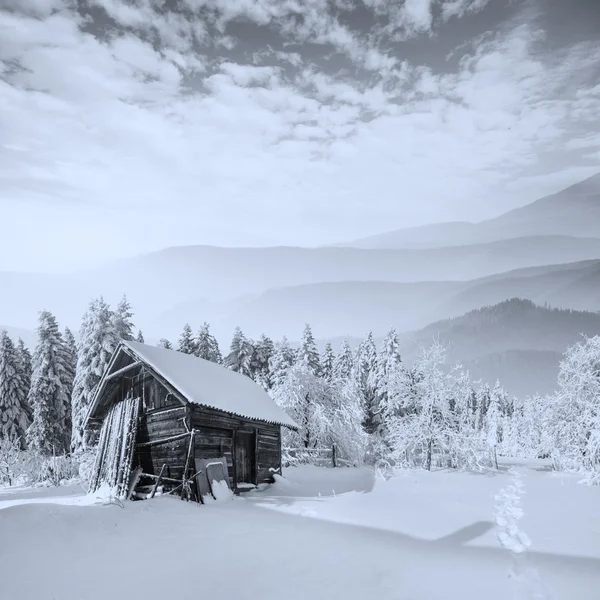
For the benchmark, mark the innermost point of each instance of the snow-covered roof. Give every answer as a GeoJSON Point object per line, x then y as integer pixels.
{"type": "Point", "coordinates": [211, 385]}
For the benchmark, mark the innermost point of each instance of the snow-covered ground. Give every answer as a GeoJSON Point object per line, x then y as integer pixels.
{"type": "Point", "coordinates": [318, 534]}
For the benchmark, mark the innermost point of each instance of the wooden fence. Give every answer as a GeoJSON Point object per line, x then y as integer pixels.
{"type": "Point", "coordinates": [320, 457]}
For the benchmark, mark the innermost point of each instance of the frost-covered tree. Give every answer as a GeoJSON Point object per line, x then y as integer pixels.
{"type": "Point", "coordinates": [98, 338]}
{"type": "Point", "coordinates": [240, 354]}
{"type": "Point", "coordinates": [139, 337]}
{"type": "Point", "coordinates": [282, 360]}
{"type": "Point", "coordinates": [122, 319]}
{"type": "Point", "coordinates": [327, 362]}
{"type": "Point", "coordinates": [307, 352]}
{"type": "Point", "coordinates": [575, 410]}
{"type": "Point", "coordinates": [306, 398]}
{"type": "Point", "coordinates": [343, 366]}
{"type": "Point", "coordinates": [14, 412]}
{"type": "Point", "coordinates": [345, 421]}
{"type": "Point", "coordinates": [207, 346]}
{"type": "Point", "coordinates": [187, 343]}
{"type": "Point", "coordinates": [165, 343]}
{"type": "Point", "coordinates": [418, 411]}
{"type": "Point", "coordinates": [49, 432]}
{"type": "Point", "coordinates": [366, 377]}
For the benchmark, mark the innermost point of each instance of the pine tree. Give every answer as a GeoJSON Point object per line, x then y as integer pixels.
{"type": "Point", "coordinates": [492, 421]}
{"type": "Point", "coordinates": [25, 369]}
{"type": "Point", "coordinates": [308, 352]}
{"type": "Point", "coordinates": [49, 395]}
{"type": "Point", "coordinates": [343, 366]}
{"type": "Point", "coordinates": [366, 376]}
{"type": "Point", "coordinates": [263, 351]}
{"type": "Point", "coordinates": [281, 362]}
{"type": "Point", "coordinates": [122, 319]}
{"type": "Point", "coordinates": [240, 354]}
{"type": "Point", "coordinates": [207, 346]}
{"type": "Point", "coordinates": [98, 339]}
{"type": "Point", "coordinates": [388, 361]}
{"type": "Point", "coordinates": [139, 337]}
{"type": "Point", "coordinates": [71, 346]}
{"type": "Point", "coordinates": [187, 344]}
{"type": "Point", "coordinates": [327, 362]}
{"type": "Point", "coordinates": [165, 343]}
{"type": "Point", "coordinates": [14, 413]}
{"type": "Point", "coordinates": [70, 361]}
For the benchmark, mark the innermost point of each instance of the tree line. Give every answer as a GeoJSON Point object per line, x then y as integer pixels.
{"type": "Point", "coordinates": [367, 402]}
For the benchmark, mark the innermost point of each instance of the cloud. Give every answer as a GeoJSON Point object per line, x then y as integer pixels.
{"type": "Point", "coordinates": [138, 128]}
{"type": "Point", "coordinates": [460, 8]}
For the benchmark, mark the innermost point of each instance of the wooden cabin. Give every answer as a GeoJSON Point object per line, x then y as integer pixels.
{"type": "Point", "coordinates": [161, 413]}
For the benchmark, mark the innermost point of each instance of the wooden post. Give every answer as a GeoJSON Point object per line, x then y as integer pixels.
{"type": "Point", "coordinates": [162, 470]}
{"type": "Point", "coordinates": [186, 486]}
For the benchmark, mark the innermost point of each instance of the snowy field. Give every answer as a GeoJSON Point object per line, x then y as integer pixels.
{"type": "Point", "coordinates": [318, 534]}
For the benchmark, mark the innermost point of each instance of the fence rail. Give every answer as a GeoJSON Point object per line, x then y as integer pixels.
{"type": "Point", "coordinates": [321, 457]}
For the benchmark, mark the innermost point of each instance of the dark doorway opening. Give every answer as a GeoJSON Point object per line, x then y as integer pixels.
{"type": "Point", "coordinates": [245, 458]}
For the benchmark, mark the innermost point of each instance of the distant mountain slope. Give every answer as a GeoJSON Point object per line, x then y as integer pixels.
{"type": "Point", "coordinates": [574, 211]}
{"type": "Point", "coordinates": [353, 308]}
{"type": "Point", "coordinates": [510, 325]}
{"type": "Point", "coordinates": [515, 341]}
{"type": "Point", "coordinates": [157, 283]}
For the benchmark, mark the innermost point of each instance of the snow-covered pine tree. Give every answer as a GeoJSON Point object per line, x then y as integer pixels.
{"type": "Point", "coordinates": [484, 396]}
{"type": "Point", "coordinates": [69, 350]}
{"type": "Point", "coordinates": [207, 346]}
{"type": "Point", "coordinates": [240, 354]}
{"type": "Point", "coordinates": [165, 343]}
{"type": "Point", "coordinates": [14, 413]}
{"type": "Point", "coordinates": [122, 319]}
{"type": "Point", "coordinates": [366, 377]}
{"type": "Point", "coordinates": [493, 422]}
{"type": "Point", "coordinates": [49, 396]}
{"type": "Point", "coordinates": [343, 366]}
{"type": "Point", "coordinates": [327, 362]}
{"type": "Point", "coordinates": [139, 337]}
{"type": "Point", "coordinates": [187, 343]}
{"type": "Point", "coordinates": [70, 346]}
{"type": "Point", "coordinates": [24, 356]}
{"type": "Point", "coordinates": [263, 351]}
{"type": "Point", "coordinates": [280, 363]}
{"type": "Point", "coordinates": [98, 339]}
{"type": "Point", "coordinates": [388, 361]}
{"type": "Point", "coordinates": [307, 352]}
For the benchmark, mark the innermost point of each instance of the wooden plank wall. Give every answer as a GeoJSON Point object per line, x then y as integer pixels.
{"type": "Point", "coordinates": [216, 438]}
{"type": "Point", "coordinates": [269, 451]}
{"type": "Point", "coordinates": [158, 425]}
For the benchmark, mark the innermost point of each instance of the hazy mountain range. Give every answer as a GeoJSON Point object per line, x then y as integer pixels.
{"type": "Point", "coordinates": [546, 252]}
{"type": "Point", "coordinates": [574, 211]}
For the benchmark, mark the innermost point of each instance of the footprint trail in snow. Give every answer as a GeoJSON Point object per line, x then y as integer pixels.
{"type": "Point", "coordinates": [527, 584]}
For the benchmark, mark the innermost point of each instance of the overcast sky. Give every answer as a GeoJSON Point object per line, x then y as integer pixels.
{"type": "Point", "coordinates": [132, 126]}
